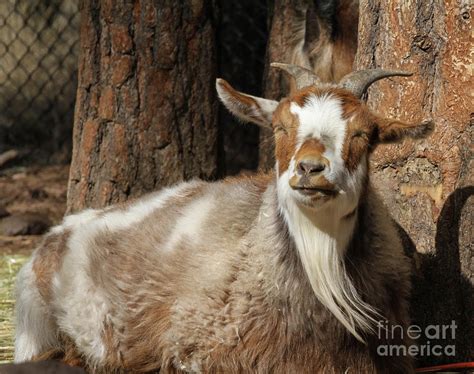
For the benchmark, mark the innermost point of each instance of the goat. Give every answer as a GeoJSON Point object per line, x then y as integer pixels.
{"type": "Point", "coordinates": [324, 37]}
{"type": "Point", "coordinates": [320, 35]}
{"type": "Point", "coordinates": [285, 272]}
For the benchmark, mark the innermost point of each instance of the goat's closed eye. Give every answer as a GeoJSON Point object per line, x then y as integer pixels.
{"type": "Point", "coordinates": [360, 134]}
{"type": "Point", "coordinates": [280, 128]}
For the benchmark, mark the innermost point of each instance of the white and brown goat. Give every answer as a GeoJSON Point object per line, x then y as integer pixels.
{"type": "Point", "coordinates": [286, 272]}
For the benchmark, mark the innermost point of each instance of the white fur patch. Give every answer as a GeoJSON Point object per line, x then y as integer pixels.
{"type": "Point", "coordinates": [321, 118]}
{"type": "Point", "coordinates": [75, 220]}
{"type": "Point", "coordinates": [189, 225]}
{"type": "Point", "coordinates": [35, 330]}
{"type": "Point", "coordinates": [80, 305]}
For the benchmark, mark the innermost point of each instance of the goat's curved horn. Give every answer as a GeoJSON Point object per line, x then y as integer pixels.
{"type": "Point", "coordinates": [358, 82]}
{"type": "Point", "coordinates": [303, 77]}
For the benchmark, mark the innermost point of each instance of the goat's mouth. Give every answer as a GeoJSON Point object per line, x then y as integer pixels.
{"type": "Point", "coordinates": [314, 188]}
{"type": "Point", "coordinates": [315, 191]}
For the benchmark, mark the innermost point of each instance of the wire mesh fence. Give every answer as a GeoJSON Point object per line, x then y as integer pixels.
{"type": "Point", "coordinates": [242, 40]}
{"type": "Point", "coordinates": [39, 46]}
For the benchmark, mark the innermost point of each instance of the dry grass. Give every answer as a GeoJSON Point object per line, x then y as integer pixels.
{"type": "Point", "coordinates": [33, 189]}
{"type": "Point", "coordinates": [39, 190]}
{"type": "Point", "coordinates": [9, 266]}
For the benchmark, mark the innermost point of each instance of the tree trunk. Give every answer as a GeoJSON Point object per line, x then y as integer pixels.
{"type": "Point", "coordinates": [321, 36]}
{"type": "Point", "coordinates": [427, 185]}
{"type": "Point", "coordinates": [146, 107]}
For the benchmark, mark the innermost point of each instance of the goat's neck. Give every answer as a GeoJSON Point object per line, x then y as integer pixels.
{"type": "Point", "coordinates": [332, 225]}
{"type": "Point", "coordinates": [322, 238]}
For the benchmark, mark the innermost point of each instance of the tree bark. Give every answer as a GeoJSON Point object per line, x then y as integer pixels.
{"type": "Point", "coordinates": [427, 185]}
{"type": "Point", "coordinates": [146, 107]}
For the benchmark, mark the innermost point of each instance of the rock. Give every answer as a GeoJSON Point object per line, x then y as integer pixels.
{"type": "Point", "coordinates": [24, 224]}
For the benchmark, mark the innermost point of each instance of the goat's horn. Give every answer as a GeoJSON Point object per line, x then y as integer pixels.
{"type": "Point", "coordinates": [303, 77]}
{"type": "Point", "coordinates": [358, 82]}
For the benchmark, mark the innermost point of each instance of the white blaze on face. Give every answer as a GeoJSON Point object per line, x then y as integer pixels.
{"type": "Point", "coordinates": [321, 118]}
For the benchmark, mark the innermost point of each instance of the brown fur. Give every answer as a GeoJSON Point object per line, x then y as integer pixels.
{"type": "Point", "coordinates": [67, 353]}
{"type": "Point", "coordinates": [255, 315]}
{"type": "Point", "coordinates": [390, 131]}
{"type": "Point", "coordinates": [359, 139]}
{"type": "Point", "coordinates": [233, 297]}
{"type": "Point", "coordinates": [285, 125]}
{"type": "Point", "coordinates": [310, 148]}
{"type": "Point", "coordinates": [48, 260]}
{"type": "Point", "coordinates": [300, 97]}
{"type": "Point", "coordinates": [238, 96]}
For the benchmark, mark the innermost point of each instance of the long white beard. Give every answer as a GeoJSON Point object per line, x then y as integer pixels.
{"type": "Point", "coordinates": [322, 238]}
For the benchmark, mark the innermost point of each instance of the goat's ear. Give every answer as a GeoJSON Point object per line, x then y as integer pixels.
{"type": "Point", "coordinates": [392, 131]}
{"type": "Point", "coordinates": [246, 107]}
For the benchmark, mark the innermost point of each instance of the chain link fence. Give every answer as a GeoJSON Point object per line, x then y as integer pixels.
{"type": "Point", "coordinates": [39, 47]}
{"type": "Point", "coordinates": [242, 39]}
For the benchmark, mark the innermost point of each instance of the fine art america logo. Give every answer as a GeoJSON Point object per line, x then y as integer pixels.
{"type": "Point", "coordinates": [431, 336]}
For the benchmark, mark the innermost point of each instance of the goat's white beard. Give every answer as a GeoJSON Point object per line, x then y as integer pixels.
{"type": "Point", "coordinates": [321, 238]}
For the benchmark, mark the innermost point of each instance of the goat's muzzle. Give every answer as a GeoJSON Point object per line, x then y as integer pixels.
{"type": "Point", "coordinates": [309, 179]}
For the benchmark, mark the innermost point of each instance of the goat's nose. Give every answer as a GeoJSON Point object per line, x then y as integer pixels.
{"type": "Point", "coordinates": [310, 167]}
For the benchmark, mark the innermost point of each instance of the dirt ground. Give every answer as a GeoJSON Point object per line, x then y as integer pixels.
{"type": "Point", "coordinates": [39, 190]}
